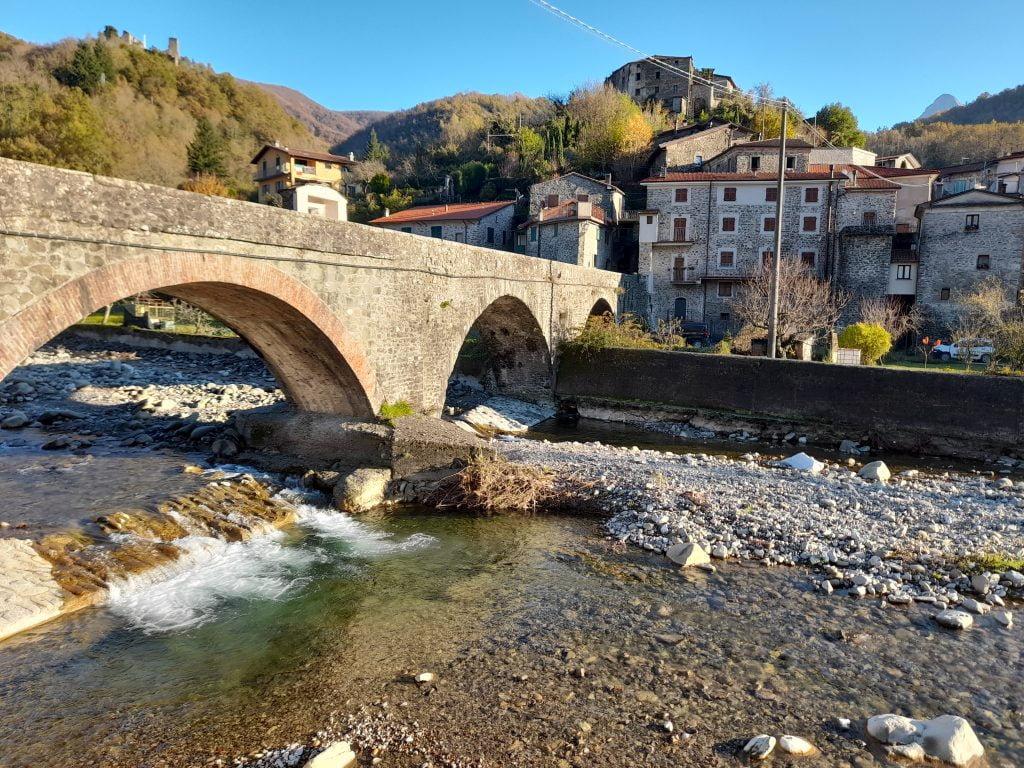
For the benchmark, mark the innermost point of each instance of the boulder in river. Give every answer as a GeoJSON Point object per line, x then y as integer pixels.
{"type": "Point", "coordinates": [687, 554]}
{"type": "Point", "coordinates": [362, 489]}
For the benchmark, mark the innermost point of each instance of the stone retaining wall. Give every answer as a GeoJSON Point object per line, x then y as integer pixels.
{"type": "Point", "coordinates": [936, 413]}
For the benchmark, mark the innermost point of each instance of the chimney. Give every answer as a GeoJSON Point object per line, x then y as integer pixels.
{"type": "Point", "coordinates": [351, 155]}
{"type": "Point", "coordinates": [831, 170]}
{"type": "Point", "coordinates": [172, 50]}
{"type": "Point", "coordinates": [387, 212]}
{"type": "Point", "coordinates": [853, 175]}
{"type": "Point", "coordinates": [584, 210]}
{"type": "Point", "coordinates": [608, 180]}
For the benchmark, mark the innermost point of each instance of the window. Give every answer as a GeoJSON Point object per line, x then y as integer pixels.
{"type": "Point", "coordinates": [554, 229]}
{"type": "Point", "coordinates": [264, 167]}
{"type": "Point", "coordinates": [769, 224]}
{"type": "Point", "coordinates": [503, 237]}
{"type": "Point", "coordinates": [533, 234]}
{"type": "Point", "coordinates": [435, 232]}
{"type": "Point", "coordinates": [807, 258]}
{"type": "Point", "coordinates": [725, 289]}
{"type": "Point", "coordinates": [790, 162]}
{"type": "Point", "coordinates": [458, 237]}
{"type": "Point", "coordinates": [650, 219]}
{"type": "Point", "coordinates": [407, 230]}
{"type": "Point", "coordinates": [983, 262]}
{"type": "Point", "coordinates": [277, 163]}
{"type": "Point", "coordinates": [657, 75]}
{"type": "Point", "coordinates": [279, 186]}
{"type": "Point", "coordinates": [266, 189]}
{"type": "Point", "coordinates": [678, 269]}
{"type": "Point", "coordinates": [581, 198]}
{"type": "Point", "coordinates": [490, 235]}
{"type": "Point", "coordinates": [771, 194]}
{"type": "Point", "coordinates": [728, 224]}
{"type": "Point", "coordinates": [726, 259]}
{"type": "Point", "coordinates": [682, 194]}
{"type": "Point", "coordinates": [811, 195]}
{"type": "Point", "coordinates": [723, 316]}
{"type": "Point", "coordinates": [679, 230]}
{"type": "Point", "coordinates": [944, 294]}
{"type": "Point", "coordinates": [766, 257]}
{"type": "Point", "coordinates": [551, 201]}
{"type": "Point", "coordinates": [328, 166]}
{"type": "Point", "coordinates": [810, 223]}
{"type": "Point", "coordinates": [904, 271]}
{"type": "Point", "coordinates": [870, 217]}
{"type": "Point", "coordinates": [973, 222]}
{"type": "Point", "coordinates": [698, 160]}
{"type": "Point", "coordinates": [729, 194]}
{"type": "Point", "coordinates": [755, 162]}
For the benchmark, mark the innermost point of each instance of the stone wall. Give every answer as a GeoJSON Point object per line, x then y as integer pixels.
{"type": "Point", "coordinates": [470, 232]}
{"type": "Point", "coordinates": [679, 155]}
{"type": "Point", "coordinates": [346, 315]}
{"type": "Point", "coordinates": [863, 265]}
{"type": "Point", "coordinates": [602, 194]}
{"type": "Point", "coordinates": [929, 412]}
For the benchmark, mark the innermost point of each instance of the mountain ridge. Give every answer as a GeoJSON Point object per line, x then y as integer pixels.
{"type": "Point", "coordinates": [332, 125]}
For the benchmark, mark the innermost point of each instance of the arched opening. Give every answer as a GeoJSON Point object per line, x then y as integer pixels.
{"type": "Point", "coordinates": [503, 353]}
{"type": "Point", "coordinates": [680, 308]}
{"type": "Point", "coordinates": [315, 361]}
{"type": "Point", "coordinates": [601, 308]}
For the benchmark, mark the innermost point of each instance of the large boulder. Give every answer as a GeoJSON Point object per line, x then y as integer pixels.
{"type": "Point", "coordinates": [16, 420]}
{"type": "Point", "coordinates": [951, 739]}
{"type": "Point", "coordinates": [337, 755]}
{"type": "Point", "coordinates": [803, 463]}
{"type": "Point", "coordinates": [687, 554]}
{"type": "Point", "coordinates": [362, 489]}
{"type": "Point", "coordinates": [876, 470]}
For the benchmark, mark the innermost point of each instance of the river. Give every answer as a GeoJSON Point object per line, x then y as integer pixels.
{"type": "Point", "coordinates": [552, 646]}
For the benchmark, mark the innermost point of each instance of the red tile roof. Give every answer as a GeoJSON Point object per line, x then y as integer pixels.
{"type": "Point", "coordinates": [761, 176]}
{"type": "Point", "coordinates": [312, 154]}
{"type": "Point", "coordinates": [876, 170]}
{"type": "Point", "coordinates": [566, 212]}
{"type": "Point", "coordinates": [869, 182]}
{"type": "Point", "coordinates": [449, 212]}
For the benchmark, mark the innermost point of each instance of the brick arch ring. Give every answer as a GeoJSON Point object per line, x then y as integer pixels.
{"type": "Point", "coordinates": [316, 361]}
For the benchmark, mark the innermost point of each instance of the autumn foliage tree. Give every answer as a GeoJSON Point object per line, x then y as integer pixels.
{"type": "Point", "coordinates": [611, 127]}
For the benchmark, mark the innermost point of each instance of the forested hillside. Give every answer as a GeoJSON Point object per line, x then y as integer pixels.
{"type": "Point", "coordinates": [1004, 107]}
{"type": "Point", "coordinates": [942, 144]}
{"type": "Point", "coordinates": [106, 106]}
{"type": "Point", "coordinates": [331, 125]}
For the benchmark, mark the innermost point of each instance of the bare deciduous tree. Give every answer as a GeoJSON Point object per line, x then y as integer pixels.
{"type": "Point", "coordinates": [807, 305]}
{"type": "Point", "coordinates": [897, 318]}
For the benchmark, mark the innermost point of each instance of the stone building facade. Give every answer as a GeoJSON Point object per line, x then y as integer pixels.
{"type": "Point", "coordinates": [488, 225]}
{"type": "Point", "coordinates": [964, 239]}
{"type": "Point", "coordinates": [761, 157]}
{"type": "Point", "coordinates": [576, 187]}
{"type": "Point", "coordinates": [863, 259]}
{"type": "Point", "coordinates": [704, 234]}
{"type": "Point", "coordinates": [679, 86]}
{"type": "Point", "coordinates": [688, 148]}
{"type": "Point", "coordinates": [572, 233]}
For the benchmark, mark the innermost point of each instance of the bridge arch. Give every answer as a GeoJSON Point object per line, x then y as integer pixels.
{"type": "Point", "coordinates": [601, 308]}
{"type": "Point", "coordinates": [514, 358]}
{"type": "Point", "coordinates": [316, 361]}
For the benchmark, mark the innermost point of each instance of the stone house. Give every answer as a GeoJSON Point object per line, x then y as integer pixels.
{"type": "Point", "coordinates": [1009, 170]}
{"type": "Point", "coordinates": [577, 187]}
{"type": "Point", "coordinates": [760, 157]}
{"type": "Point", "coordinates": [679, 86]}
{"type": "Point", "coordinates": [965, 238]}
{"type": "Point", "coordinates": [705, 233]}
{"type": "Point", "coordinates": [955, 179]}
{"type": "Point", "coordinates": [485, 224]}
{"type": "Point", "coordinates": [572, 232]}
{"type": "Point", "coordinates": [687, 148]}
{"type": "Point", "coordinates": [914, 186]}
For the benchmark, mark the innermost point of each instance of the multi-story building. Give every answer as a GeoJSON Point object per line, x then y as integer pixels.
{"type": "Point", "coordinates": [955, 179]}
{"type": "Point", "coordinates": [675, 82]}
{"type": "Point", "coordinates": [688, 147]}
{"type": "Point", "coordinates": [913, 187]}
{"type": "Point", "coordinates": [1009, 170]}
{"type": "Point", "coordinates": [705, 233]}
{"type": "Point", "coordinates": [965, 238]}
{"type": "Point", "coordinates": [760, 157]}
{"type": "Point", "coordinates": [303, 179]}
{"type": "Point", "coordinates": [485, 224]}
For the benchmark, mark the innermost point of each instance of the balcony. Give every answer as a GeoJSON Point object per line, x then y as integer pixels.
{"type": "Point", "coordinates": [738, 272]}
{"type": "Point", "coordinates": [305, 170]}
{"type": "Point", "coordinates": [684, 276]}
{"type": "Point", "coordinates": [904, 256]}
{"type": "Point", "coordinates": [677, 243]}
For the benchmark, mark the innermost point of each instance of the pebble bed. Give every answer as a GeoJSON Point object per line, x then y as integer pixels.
{"type": "Point", "coordinates": [910, 540]}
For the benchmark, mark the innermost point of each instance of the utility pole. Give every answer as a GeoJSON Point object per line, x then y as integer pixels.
{"type": "Point", "coordinates": [773, 291]}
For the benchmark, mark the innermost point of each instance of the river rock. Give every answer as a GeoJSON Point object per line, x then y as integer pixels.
{"type": "Point", "coordinates": [337, 755]}
{"type": "Point", "coordinates": [1004, 617]}
{"type": "Point", "coordinates": [362, 489]}
{"type": "Point", "coordinates": [876, 470]}
{"type": "Point", "coordinates": [719, 551]}
{"type": "Point", "coordinates": [951, 739]}
{"type": "Point", "coordinates": [848, 446]}
{"type": "Point", "coordinates": [424, 678]}
{"type": "Point", "coordinates": [794, 745]}
{"type": "Point", "coordinates": [687, 554]}
{"type": "Point", "coordinates": [974, 606]}
{"type": "Point", "coordinates": [803, 463]}
{"type": "Point", "coordinates": [1015, 578]}
{"type": "Point", "coordinates": [16, 420]}
{"type": "Point", "coordinates": [980, 583]}
{"type": "Point", "coordinates": [894, 729]}
{"type": "Point", "coordinates": [760, 747]}
{"type": "Point", "coordinates": [224, 448]}
{"type": "Point", "coordinates": [953, 619]}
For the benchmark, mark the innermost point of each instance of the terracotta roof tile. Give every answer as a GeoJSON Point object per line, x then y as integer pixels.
{"type": "Point", "coordinates": [762, 176]}
{"type": "Point", "coordinates": [312, 154]}
{"type": "Point", "coordinates": [450, 212]}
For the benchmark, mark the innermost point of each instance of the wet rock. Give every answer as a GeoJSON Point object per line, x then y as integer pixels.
{"type": "Point", "coordinates": [951, 739]}
{"type": "Point", "coordinates": [1004, 617]}
{"type": "Point", "coordinates": [57, 444]}
{"type": "Point", "coordinates": [803, 463]}
{"type": "Point", "coordinates": [848, 446]}
{"type": "Point", "coordinates": [224, 448]}
{"type": "Point", "coordinates": [876, 470]}
{"type": "Point", "coordinates": [687, 554]}
{"type": "Point", "coordinates": [337, 755]}
{"type": "Point", "coordinates": [362, 489]}
{"type": "Point", "coordinates": [760, 747]}
{"type": "Point", "coordinates": [953, 619]}
{"type": "Point", "coordinates": [16, 420]}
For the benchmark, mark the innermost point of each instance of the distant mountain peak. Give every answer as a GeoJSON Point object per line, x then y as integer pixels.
{"type": "Point", "coordinates": [944, 102]}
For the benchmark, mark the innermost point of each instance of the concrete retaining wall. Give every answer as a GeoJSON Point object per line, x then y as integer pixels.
{"type": "Point", "coordinates": [173, 342]}
{"type": "Point", "coordinates": [946, 414]}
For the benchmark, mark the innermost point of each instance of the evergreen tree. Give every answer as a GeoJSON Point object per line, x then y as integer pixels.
{"type": "Point", "coordinates": [91, 67]}
{"type": "Point", "coordinates": [375, 150]}
{"type": "Point", "coordinates": [206, 151]}
{"type": "Point", "coordinates": [840, 125]}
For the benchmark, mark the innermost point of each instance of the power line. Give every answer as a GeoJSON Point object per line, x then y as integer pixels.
{"type": "Point", "coordinates": [783, 103]}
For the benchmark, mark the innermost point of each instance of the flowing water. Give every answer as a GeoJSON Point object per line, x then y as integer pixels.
{"type": "Point", "coordinates": [533, 624]}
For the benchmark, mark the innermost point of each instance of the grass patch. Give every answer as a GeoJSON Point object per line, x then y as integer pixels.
{"type": "Point", "coordinates": [948, 366]}
{"type": "Point", "coordinates": [604, 332]}
{"type": "Point", "coordinates": [391, 412]}
{"type": "Point", "coordinates": [990, 562]}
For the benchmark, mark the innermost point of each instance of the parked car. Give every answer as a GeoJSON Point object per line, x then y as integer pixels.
{"type": "Point", "coordinates": [696, 334]}
{"type": "Point", "coordinates": [981, 350]}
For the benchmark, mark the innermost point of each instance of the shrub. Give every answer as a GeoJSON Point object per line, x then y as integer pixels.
{"type": "Point", "coordinates": [392, 412]}
{"type": "Point", "coordinates": [872, 340]}
{"type": "Point", "coordinates": [603, 332]}
{"type": "Point", "coordinates": [206, 184]}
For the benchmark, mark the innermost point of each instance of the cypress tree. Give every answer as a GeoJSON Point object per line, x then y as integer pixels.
{"type": "Point", "coordinates": [206, 151]}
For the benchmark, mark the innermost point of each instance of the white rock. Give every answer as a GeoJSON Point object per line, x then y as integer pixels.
{"type": "Point", "coordinates": [687, 554]}
{"type": "Point", "coordinates": [1016, 578]}
{"type": "Point", "coordinates": [760, 747]}
{"type": "Point", "coordinates": [425, 677]}
{"type": "Point", "coordinates": [980, 583]}
{"type": "Point", "coordinates": [876, 470]}
{"type": "Point", "coordinates": [954, 619]}
{"type": "Point", "coordinates": [894, 729]}
{"type": "Point", "coordinates": [362, 489]}
{"type": "Point", "coordinates": [804, 463]}
{"type": "Point", "coordinates": [719, 551]}
{"type": "Point", "coordinates": [912, 752]}
{"type": "Point", "coordinates": [974, 606]}
{"type": "Point", "coordinates": [951, 738]}
{"type": "Point", "coordinates": [794, 745]}
{"type": "Point", "coordinates": [337, 755]}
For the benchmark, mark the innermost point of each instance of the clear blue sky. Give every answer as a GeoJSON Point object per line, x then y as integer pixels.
{"type": "Point", "coordinates": [887, 60]}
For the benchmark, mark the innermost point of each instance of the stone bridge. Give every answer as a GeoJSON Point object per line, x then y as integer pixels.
{"type": "Point", "coordinates": [345, 315]}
